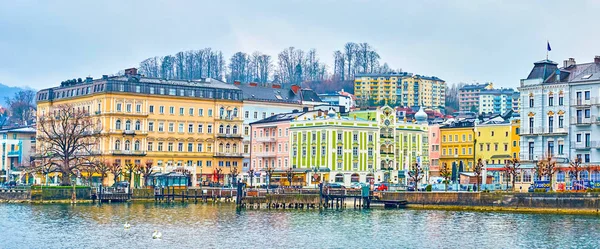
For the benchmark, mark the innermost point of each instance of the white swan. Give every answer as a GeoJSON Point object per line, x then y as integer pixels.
{"type": "Point", "coordinates": [156, 235]}
{"type": "Point", "coordinates": [127, 225]}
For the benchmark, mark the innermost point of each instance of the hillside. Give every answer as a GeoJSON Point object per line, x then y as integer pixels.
{"type": "Point", "coordinates": [9, 91]}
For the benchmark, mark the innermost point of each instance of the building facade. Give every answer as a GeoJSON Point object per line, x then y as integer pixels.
{"type": "Point", "coordinates": [497, 141]}
{"type": "Point", "coordinates": [497, 101]}
{"type": "Point", "coordinates": [434, 150]}
{"type": "Point", "coordinates": [18, 146]}
{"type": "Point", "coordinates": [194, 126]}
{"type": "Point", "coordinates": [403, 89]}
{"type": "Point", "coordinates": [360, 147]}
{"type": "Point", "coordinates": [468, 96]}
{"type": "Point", "coordinates": [458, 141]}
{"type": "Point", "coordinates": [337, 99]}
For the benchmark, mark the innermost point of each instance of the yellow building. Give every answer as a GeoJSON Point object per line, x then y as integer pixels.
{"type": "Point", "coordinates": [402, 89]}
{"type": "Point", "coordinates": [193, 126]}
{"type": "Point", "coordinates": [497, 142]}
{"type": "Point", "coordinates": [457, 146]}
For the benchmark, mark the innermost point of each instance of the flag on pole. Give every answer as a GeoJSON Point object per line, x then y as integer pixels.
{"type": "Point", "coordinates": [549, 49]}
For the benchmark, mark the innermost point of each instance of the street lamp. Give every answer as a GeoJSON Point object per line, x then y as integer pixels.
{"type": "Point", "coordinates": [269, 172]}
{"type": "Point", "coordinates": [290, 175]}
{"type": "Point", "coordinates": [251, 175]}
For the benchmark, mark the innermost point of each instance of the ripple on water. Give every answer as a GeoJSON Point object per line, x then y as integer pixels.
{"type": "Point", "coordinates": [221, 226]}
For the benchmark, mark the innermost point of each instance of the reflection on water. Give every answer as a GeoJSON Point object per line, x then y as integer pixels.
{"type": "Point", "coordinates": [221, 226]}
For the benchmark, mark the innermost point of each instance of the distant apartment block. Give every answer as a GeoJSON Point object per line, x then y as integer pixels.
{"type": "Point", "coordinates": [469, 96]}
{"type": "Point", "coordinates": [401, 89]}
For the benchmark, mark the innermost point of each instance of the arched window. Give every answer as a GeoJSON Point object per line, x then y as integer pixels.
{"type": "Point", "coordinates": [369, 177]}
{"type": "Point", "coordinates": [228, 129]}
{"type": "Point", "coordinates": [235, 129]}
{"type": "Point", "coordinates": [118, 145]}
{"type": "Point", "coordinates": [560, 176]}
{"type": "Point", "coordinates": [339, 177]}
{"type": "Point", "coordinates": [221, 148]}
{"type": "Point", "coordinates": [118, 124]}
{"type": "Point", "coordinates": [354, 178]}
{"type": "Point", "coordinates": [235, 112]}
{"type": "Point", "coordinates": [136, 145]}
{"type": "Point", "coordinates": [138, 125]}
{"type": "Point", "coordinates": [235, 148]}
{"type": "Point", "coordinates": [221, 129]}
{"type": "Point", "coordinates": [227, 148]}
{"type": "Point", "coordinates": [127, 145]}
{"type": "Point", "coordinates": [596, 176]}
{"type": "Point", "coordinates": [584, 175]}
{"type": "Point", "coordinates": [127, 125]}
{"type": "Point", "coordinates": [221, 112]}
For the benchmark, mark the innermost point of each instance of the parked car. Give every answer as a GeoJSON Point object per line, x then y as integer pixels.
{"type": "Point", "coordinates": [335, 185]}
{"type": "Point", "coordinates": [381, 187]}
{"type": "Point", "coordinates": [358, 185]}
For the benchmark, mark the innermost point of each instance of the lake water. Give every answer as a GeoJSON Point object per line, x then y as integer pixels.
{"type": "Point", "coordinates": [220, 226]}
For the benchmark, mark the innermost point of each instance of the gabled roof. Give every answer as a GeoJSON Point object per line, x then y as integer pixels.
{"type": "Point", "coordinates": [280, 117]}
{"type": "Point", "coordinates": [542, 69]}
{"type": "Point", "coordinates": [268, 94]}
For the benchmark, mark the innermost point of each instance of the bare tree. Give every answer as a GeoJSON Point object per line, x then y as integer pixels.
{"type": "Point", "coordinates": [416, 174]}
{"type": "Point", "coordinates": [68, 136]}
{"type": "Point", "coordinates": [145, 170]}
{"type": "Point", "coordinates": [349, 52]}
{"type": "Point", "coordinates": [102, 167]}
{"type": "Point", "coordinates": [21, 106]}
{"type": "Point", "coordinates": [446, 173]}
{"type": "Point", "coordinates": [239, 67]}
{"type": "Point", "coordinates": [512, 168]}
{"type": "Point", "coordinates": [116, 169]}
{"type": "Point", "coordinates": [575, 168]}
{"type": "Point", "coordinates": [478, 169]}
{"type": "Point", "coordinates": [548, 167]}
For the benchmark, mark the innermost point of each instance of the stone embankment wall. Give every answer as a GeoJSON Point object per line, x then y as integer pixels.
{"type": "Point", "coordinates": [589, 201]}
{"type": "Point", "coordinates": [15, 195]}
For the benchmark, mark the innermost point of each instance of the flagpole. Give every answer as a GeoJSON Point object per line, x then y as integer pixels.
{"type": "Point", "coordinates": [547, 42]}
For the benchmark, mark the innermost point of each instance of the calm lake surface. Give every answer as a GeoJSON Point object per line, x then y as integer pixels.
{"type": "Point", "coordinates": [220, 226]}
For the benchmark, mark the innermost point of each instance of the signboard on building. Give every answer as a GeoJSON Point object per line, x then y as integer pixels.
{"type": "Point", "coordinates": [542, 185]}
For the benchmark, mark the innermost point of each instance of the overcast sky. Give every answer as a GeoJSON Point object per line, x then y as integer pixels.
{"type": "Point", "coordinates": [45, 42]}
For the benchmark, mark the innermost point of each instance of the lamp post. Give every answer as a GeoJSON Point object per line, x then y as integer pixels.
{"type": "Point", "coordinates": [251, 175]}
{"type": "Point", "coordinates": [290, 175]}
{"type": "Point", "coordinates": [269, 172]}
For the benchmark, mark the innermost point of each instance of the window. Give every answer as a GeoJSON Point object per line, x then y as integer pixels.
{"type": "Point", "coordinates": [579, 138]}
{"type": "Point", "coordinates": [255, 115]}
{"type": "Point", "coordinates": [323, 151]}
{"type": "Point", "coordinates": [118, 145]}
{"type": "Point", "coordinates": [355, 151]}
{"type": "Point", "coordinates": [370, 152]}
{"type": "Point", "coordinates": [161, 109]}
{"type": "Point", "coordinates": [355, 137]}
{"type": "Point", "coordinates": [200, 128]}
{"type": "Point", "coordinates": [161, 127]}
{"type": "Point", "coordinates": [480, 147]}
{"type": "Point", "coordinates": [118, 124]}
{"type": "Point", "coordinates": [199, 147]}
{"type": "Point", "coordinates": [136, 145]}
{"type": "Point", "coordinates": [151, 108]}
{"type": "Point", "coordinates": [531, 125]}
{"type": "Point", "coordinates": [561, 121]}
{"type": "Point", "coordinates": [150, 146]}
{"type": "Point", "coordinates": [279, 132]}
{"type": "Point", "coordinates": [339, 150]}
{"type": "Point", "coordinates": [138, 108]}
{"type": "Point", "coordinates": [210, 112]}
{"type": "Point", "coordinates": [551, 124]}
{"type": "Point", "coordinates": [221, 130]}
{"type": "Point", "coordinates": [550, 148]}
{"type": "Point", "coordinates": [128, 107]}
{"type": "Point", "coordinates": [531, 144]}
{"type": "Point", "coordinates": [303, 151]}
{"type": "Point", "coordinates": [172, 91]}
{"type": "Point", "coordinates": [190, 128]}
{"type": "Point", "coordinates": [181, 110]}
{"type": "Point", "coordinates": [127, 145]}
{"type": "Point", "coordinates": [530, 101]}
{"type": "Point", "coordinates": [246, 131]}
{"type": "Point", "coordinates": [246, 114]}
{"type": "Point", "coordinates": [234, 130]}
{"type": "Point", "coordinates": [470, 151]}
{"type": "Point", "coordinates": [587, 113]}
{"type": "Point", "coordinates": [171, 110]}
{"type": "Point", "coordinates": [190, 147]}
{"type": "Point", "coordinates": [586, 158]}
{"type": "Point", "coordinates": [200, 112]}
{"type": "Point", "coordinates": [505, 147]}
{"type": "Point", "coordinates": [464, 137]}
{"type": "Point", "coordinates": [180, 127]}
{"type": "Point", "coordinates": [138, 125]}
{"type": "Point", "coordinates": [160, 146]}
{"type": "Point", "coordinates": [170, 147]}
{"type": "Point", "coordinates": [370, 138]}
{"type": "Point", "coordinates": [128, 125]}
{"type": "Point", "coordinates": [551, 101]}
{"type": "Point", "coordinates": [209, 129]}
{"type": "Point", "coordinates": [561, 100]}
{"type": "Point", "coordinates": [119, 105]}
{"type": "Point", "coordinates": [171, 127]}
{"type": "Point", "coordinates": [587, 95]}
{"type": "Point", "coordinates": [339, 137]}
{"type": "Point", "coordinates": [264, 115]}
{"type": "Point", "coordinates": [191, 112]}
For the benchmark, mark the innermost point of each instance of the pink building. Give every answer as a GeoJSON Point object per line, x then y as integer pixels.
{"type": "Point", "coordinates": [269, 148]}
{"type": "Point", "coordinates": [434, 150]}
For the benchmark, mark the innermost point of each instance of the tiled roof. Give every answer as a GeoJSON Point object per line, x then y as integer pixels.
{"type": "Point", "coordinates": [280, 117]}
{"type": "Point", "coordinates": [268, 94]}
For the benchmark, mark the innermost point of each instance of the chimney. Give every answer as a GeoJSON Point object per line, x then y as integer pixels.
{"type": "Point", "coordinates": [569, 62]}
{"type": "Point", "coordinates": [131, 71]}
{"type": "Point", "coordinates": [252, 84]}
{"type": "Point", "coordinates": [237, 82]}
{"type": "Point", "coordinates": [597, 59]}
{"type": "Point", "coordinates": [276, 86]}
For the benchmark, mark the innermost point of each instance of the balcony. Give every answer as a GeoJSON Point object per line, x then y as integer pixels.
{"type": "Point", "coordinates": [584, 145]}
{"type": "Point", "coordinates": [13, 153]}
{"type": "Point", "coordinates": [128, 152]}
{"type": "Point", "coordinates": [551, 131]}
{"type": "Point", "coordinates": [265, 154]}
{"type": "Point", "coordinates": [227, 118]}
{"type": "Point", "coordinates": [580, 103]}
{"type": "Point", "coordinates": [265, 139]}
{"type": "Point", "coordinates": [386, 136]}
{"type": "Point", "coordinates": [225, 154]}
{"type": "Point", "coordinates": [129, 132]}
{"type": "Point", "coordinates": [224, 135]}
{"type": "Point", "coordinates": [532, 131]}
